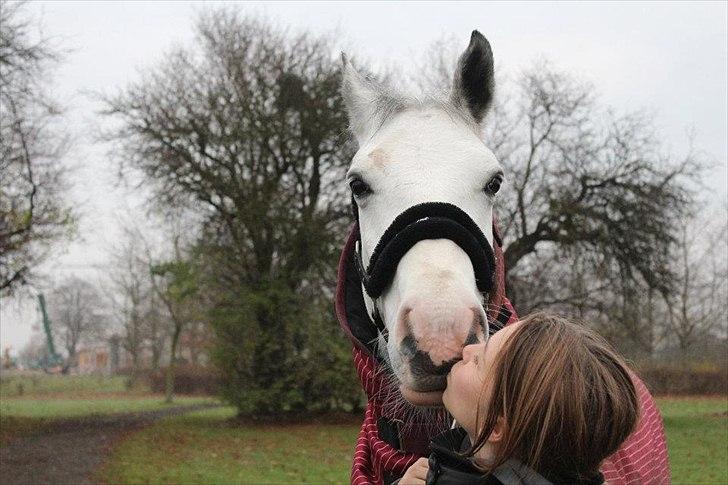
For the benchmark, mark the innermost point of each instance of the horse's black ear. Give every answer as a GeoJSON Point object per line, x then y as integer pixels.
{"type": "Point", "coordinates": [474, 86]}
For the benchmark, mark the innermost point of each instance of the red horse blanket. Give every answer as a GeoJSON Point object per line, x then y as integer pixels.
{"type": "Point", "coordinates": [642, 458]}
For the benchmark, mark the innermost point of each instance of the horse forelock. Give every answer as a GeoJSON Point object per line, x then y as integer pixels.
{"type": "Point", "coordinates": [388, 106]}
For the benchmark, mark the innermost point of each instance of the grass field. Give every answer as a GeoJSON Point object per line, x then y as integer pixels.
{"type": "Point", "coordinates": [71, 408]}
{"type": "Point", "coordinates": [211, 447]}
{"type": "Point", "coordinates": [29, 403]}
{"type": "Point", "coordinates": [697, 439]}
{"type": "Point", "coordinates": [57, 396]}
{"type": "Point", "coordinates": [28, 385]}
{"type": "Point", "coordinates": [207, 447]}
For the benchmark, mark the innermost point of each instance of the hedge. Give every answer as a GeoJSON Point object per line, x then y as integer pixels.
{"type": "Point", "coordinates": [672, 379]}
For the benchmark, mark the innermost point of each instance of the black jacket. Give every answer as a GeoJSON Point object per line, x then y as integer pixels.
{"type": "Point", "coordinates": [448, 467]}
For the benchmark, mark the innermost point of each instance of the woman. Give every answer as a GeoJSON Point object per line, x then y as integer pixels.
{"type": "Point", "coordinates": [544, 401]}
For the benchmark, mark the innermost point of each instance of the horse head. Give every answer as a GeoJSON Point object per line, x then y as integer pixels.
{"type": "Point", "coordinates": [423, 184]}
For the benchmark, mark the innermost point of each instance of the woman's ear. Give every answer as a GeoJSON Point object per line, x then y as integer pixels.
{"type": "Point", "coordinates": [497, 434]}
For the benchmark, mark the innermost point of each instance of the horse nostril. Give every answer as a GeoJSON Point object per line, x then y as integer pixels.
{"type": "Point", "coordinates": [472, 338]}
{"type": "Point", "coordinates": [445, 367]}
{"type": "Point", "coordinates": [429, 358]}
{"type": "Point", "coordinates": [421, 365]}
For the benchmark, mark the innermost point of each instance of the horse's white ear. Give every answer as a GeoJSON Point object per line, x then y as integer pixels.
{"type": "Point", "coordinates": [473, 86]}
{"type": "Point", "coordinates": [367, 102]}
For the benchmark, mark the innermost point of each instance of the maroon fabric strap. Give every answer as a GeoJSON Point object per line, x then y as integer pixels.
{"type": "Point", "coordinates": [642, 458]}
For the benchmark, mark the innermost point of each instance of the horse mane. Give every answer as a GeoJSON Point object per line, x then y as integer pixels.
{"type": "Point", "coordinates": [385, 102]}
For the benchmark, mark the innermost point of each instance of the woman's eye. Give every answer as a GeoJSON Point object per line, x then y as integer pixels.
{"type": "Point", "coordinates": [359, 188]}
{"type": "Point", "coordinates": [494, 185]}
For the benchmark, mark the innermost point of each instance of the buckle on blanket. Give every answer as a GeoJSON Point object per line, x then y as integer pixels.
{"type": "Point", "coordinates": [388, 430]}
{"type": "Point", "coordinates": [416, 440]}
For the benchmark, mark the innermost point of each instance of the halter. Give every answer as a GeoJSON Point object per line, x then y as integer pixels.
{"type": "Point", "coordinates": [429, 220]}
{"type": "Point", "coordinates": [386, 434]}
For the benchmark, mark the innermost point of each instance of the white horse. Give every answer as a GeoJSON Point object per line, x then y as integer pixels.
{"type": "Point", "coordinates": [411, 152]}
{"type": "Point", "coordinates": [423, 185]}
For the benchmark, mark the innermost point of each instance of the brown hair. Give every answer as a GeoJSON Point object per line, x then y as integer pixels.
{"type": "Point", "coordinates": [566, 399]}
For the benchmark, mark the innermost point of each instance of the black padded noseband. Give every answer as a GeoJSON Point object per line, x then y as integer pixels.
{"type": "Point", "coordinates": [430, 220]}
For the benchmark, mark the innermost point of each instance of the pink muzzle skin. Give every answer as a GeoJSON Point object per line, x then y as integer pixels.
{"type": "Point", "coordinates": [642, 458]}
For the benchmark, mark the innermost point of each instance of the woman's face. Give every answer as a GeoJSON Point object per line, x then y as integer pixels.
{"type": "Point", "coordinates": [468, 381]}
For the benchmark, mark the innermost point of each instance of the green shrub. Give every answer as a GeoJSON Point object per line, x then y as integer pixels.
{"type": "Point", "coordinates": [188, 379]}
{"type": "Point", "coordinates": [279, 351]}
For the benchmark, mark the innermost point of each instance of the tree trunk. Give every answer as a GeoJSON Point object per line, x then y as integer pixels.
{"type": "Point", "coordinates": [169, 381]}
{"type": "Point", "coordinates": [133, 373]}
{"type": "Point", "coordinates": [194, 334]}
{"type": "Point", "coordinates": [156, 353]}
{"type": "Point", "coordinates": [70, 361]}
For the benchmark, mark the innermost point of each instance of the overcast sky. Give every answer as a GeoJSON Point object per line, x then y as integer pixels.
{"type": "Point", "coordinates": [670, 58]}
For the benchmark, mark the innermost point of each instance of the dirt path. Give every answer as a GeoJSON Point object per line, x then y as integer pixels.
{"type": "Point", "coordinates": [68, 451]}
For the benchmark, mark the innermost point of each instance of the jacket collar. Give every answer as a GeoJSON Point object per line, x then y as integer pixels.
{"type": "Point", "coordinates": [447, 458]}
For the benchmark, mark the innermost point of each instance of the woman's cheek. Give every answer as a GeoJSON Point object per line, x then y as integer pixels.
{"type": "Point", "coordinates": [452, 396]}
{"type": "Point", "coordinates": [460, 397]}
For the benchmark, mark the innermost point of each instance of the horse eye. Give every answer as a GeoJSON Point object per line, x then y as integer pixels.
{"type": "Point", "coordinates": [359, 188]}
{"type": "Point", "coordinates": [494, 185]}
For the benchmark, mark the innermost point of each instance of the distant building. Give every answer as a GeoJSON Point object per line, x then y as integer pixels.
{"type": "Point", "coordinates": [93, 360]}
{"type": "Point", "coordinates": [110, 357]}
{"type": "Point", "coordinates": [8, 362]}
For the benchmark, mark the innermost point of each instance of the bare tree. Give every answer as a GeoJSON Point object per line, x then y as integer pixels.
{"type": "Point", "coordinates": [154, 286]}
{"type": "Point", "coordinates": [32, 211]}
{"type": "Point", "coordinates": [251, 127]}
{"type": "Point", "coordinates": [582, 176]}
{"type": "Point", "coordinates": [156, 328]}
{"type": "Point", "coordinates": [588, 220]}
{"type": "Point", "coordinates": [141, 315]}
{"type": "Point", "coordinates": [77, 313]}
{"type": "Point", "coordinates": [699, 304]}
{"type": "Point", "coordinates": [35, 353]}
{"type": "Point", "coordinates": [591, 190]}
{"type": "Point", "coordinates": [176, 284]}
{"type": "Point", "coordinates": [130, 312]}
{"type": "Point", "coordinates": [248, 130]}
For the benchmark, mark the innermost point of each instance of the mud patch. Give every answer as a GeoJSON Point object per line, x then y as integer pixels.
{"type": "Point", "coordinates": [69, 450]}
